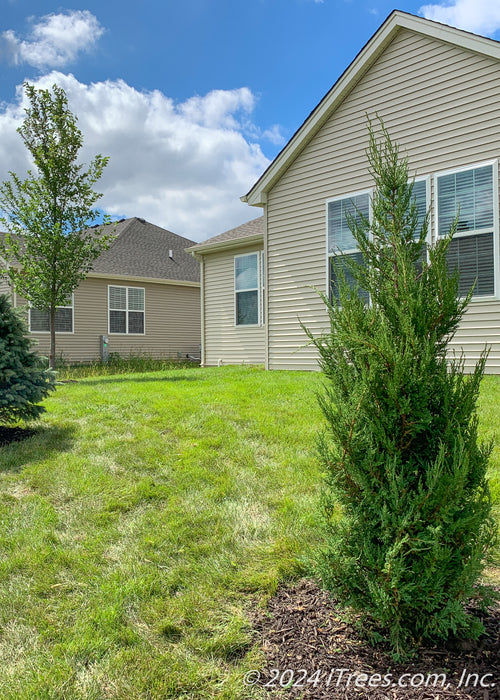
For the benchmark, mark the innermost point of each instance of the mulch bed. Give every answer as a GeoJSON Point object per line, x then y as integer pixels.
{"type": "Point", "coordinates": [8, 435]}
{"type": "Point", "coordinates": [303, 629]}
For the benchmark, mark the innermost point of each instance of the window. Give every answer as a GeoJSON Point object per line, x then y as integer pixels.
{"type": "Point", "coordinates": [247, 289]}
{"type": "Point", "coordinates": [126, 310]}
{"type": "Point", "coordinates": [40, 320]}
{"type": "Point", "coordinates": [471, 194]}
{"type": "Point", "coordinates": [341, 243]}
{"type": "Point", "coordinates": [421, 196]}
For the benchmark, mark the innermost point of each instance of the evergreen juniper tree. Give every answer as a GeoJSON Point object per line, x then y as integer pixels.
{"type": "Point", "coordinates": [24, 381]}
{"type": "Point", "coordinates": [406, 502]}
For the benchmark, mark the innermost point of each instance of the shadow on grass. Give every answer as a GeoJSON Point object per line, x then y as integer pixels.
{"type": "Point", "coordinates": [114, 378]}
{"type": "Point", "coordinates": [41, 443]}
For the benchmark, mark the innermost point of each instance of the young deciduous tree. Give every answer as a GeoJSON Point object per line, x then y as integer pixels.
{"type": "Point", "coordinates": [48, 247]}
{"type": "Point", "coordinates": [24, 382]}
{"type": "Point", "coordinates": [407, 503]}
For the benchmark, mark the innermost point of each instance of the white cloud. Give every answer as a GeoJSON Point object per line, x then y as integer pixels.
{"type": "Point", "coordinates": [55, 40]}
{"type": "Point", "coordinates": [181, 166]}
{"type": "Point", "coordinates": [480, 16]}
{"type": "Point", "coordinates": [274, 135]}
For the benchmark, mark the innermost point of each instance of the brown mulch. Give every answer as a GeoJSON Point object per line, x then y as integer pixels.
{"type": "Point", "coordinates": [302, 629]}
{"type": "Point", "coordinates": [8, 435]}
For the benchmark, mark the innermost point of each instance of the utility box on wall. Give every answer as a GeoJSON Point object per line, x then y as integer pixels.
{"type": "Point", "coordinates": [104, 348]}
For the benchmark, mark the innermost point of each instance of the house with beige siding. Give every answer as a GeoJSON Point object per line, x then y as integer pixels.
{"type": "Point", "coordinates": [142, 296]}
{"type": "Point", "coordinates": [232, 296]}
{"type": "Point", "coordinates": [437, 90]}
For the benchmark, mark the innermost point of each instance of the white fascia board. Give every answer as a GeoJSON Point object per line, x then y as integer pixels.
{"type": "Point", "coordinates": [131, 278]}
{"type": "Point", "coordinates": [202, 249]}
{"type": "Point", "coordinates": [364, 60]}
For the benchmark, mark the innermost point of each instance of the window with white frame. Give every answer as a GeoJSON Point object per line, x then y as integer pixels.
{"type": "Point", "coordinates": [342, 246]}
{"type": "Point", "coordinates": [342, 212]}
{"type": "Point", "coordinates": [126, 310]}
{"type": "Point", "coordinates": [421, 196]}
{"type": "Point", "coordinates": [40, 320]}
{"type": "Point", "coordinates": [247, 289]}
{"type": "Point", "coordinates": [470, 194]}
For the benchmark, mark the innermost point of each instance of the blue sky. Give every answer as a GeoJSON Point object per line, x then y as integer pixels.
{"type": "Point", "coordinates": [191, 100]}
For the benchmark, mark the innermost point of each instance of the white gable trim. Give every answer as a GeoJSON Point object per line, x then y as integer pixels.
{"type": "Point", "coordinates": [396, 21]}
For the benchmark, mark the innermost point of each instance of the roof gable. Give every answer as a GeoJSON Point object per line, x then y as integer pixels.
{"type": "Point", "coordinates": [368, 55]}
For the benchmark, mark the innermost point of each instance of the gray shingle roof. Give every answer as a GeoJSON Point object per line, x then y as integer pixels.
{"type": "Point", "coordinates": [141, 249]}
{"type": "Point", "coordinates": [251, 228]}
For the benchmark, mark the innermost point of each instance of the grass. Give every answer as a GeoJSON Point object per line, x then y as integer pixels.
{"type": "Point", "coordinates": [147, 519]}
{"type": "Point", "coordinates": [141, 526]}
{"type": "Point", "coordinates": [119, 365]}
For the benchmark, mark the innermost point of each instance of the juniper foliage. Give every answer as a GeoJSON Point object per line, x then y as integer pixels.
{"type": "Point", "coordinates": [24, 381]}
{"type": "Point", "coordinates": [406, 502]}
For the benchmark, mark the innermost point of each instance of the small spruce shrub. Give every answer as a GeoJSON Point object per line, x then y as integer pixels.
{"type": "Point", "coordinates": [406, 501]}
{"type": "Point", "coordinates": [24, 381]}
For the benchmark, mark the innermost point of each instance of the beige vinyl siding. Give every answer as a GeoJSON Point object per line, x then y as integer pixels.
{"type": "Point", "coordinates": [172, 323]}
{"type": "Point", "coordinates": [225, 342]}
{"type": "Point", "coordinates": [440, 102]}
{"type": "Point", "coordinates": [5, 288]}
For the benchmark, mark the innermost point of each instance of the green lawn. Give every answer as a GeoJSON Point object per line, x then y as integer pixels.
{"type": "Point", "coordinates": [145, 521]}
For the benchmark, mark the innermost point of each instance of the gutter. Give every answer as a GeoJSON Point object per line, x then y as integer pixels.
{"type": "Point", "coordinates": [203, 249]}
{"type": "Point", "coordinates": [132, 278]}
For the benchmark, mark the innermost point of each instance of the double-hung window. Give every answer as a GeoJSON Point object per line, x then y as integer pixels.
{"type": "Point", "coordinates": [342, 212]}
{"type": "Point", "coordinates": [126, 310]}
{"type": "Point", "coordinates": [40, 320]}
{"type": "Point", "coordinates": [342, 246]}
{"type": "Point", "coordinates": [471, 194]}
{"type": "Point", "coordinates": [247, 289]}
{"type": "Point", "coordinates": [421, 196]}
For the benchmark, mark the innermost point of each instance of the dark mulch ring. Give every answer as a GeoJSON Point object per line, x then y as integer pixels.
{"type": "Point", "coordinates": [8, 435]}
{"type": "Point", "coordinates": [312, 654]}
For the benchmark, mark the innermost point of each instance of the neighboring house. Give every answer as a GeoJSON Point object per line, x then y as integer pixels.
{"type": "Point", "coordinates": [232, 300]}
{"type": "Point", "coordinates": [143, 293]}
{"type": "Point", "coordinates": [438, 91]}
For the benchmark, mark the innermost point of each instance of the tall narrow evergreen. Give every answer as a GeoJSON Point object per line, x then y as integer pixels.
{"type": "Point", "coordinates": [24, 381]}
{"type": "Point", "coordinates": [406, 502]}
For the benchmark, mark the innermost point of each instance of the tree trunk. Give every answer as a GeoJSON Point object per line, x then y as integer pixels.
{"type": "Point", "coordinates": [52, 353]}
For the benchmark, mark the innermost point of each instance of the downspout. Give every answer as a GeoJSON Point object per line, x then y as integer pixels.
{"type": "Point", "coordinates": [266, 290]}
{"type": "Point", "coordinates": [202, 301]}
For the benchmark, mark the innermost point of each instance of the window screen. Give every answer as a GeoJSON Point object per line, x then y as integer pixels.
{"type": "Point", "coordinates": [126, 310]}
{"type": "Point", "coordinates": [468, 195]}
{"type": "Point", "coordinates": [246, 285]}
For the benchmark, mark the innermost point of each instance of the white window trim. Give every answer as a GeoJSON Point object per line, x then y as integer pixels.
{"type": "Point", "coordinates": [428, 195]}
{"type": "Point", "coordinates": [61, 306]}
{"type": "Point", "coordinates": [349, 195]}
{"type": "Point", "coordinates": [126, 334]}
{"type": "Point", "coordinates": [258, 289]}
{"type": "Point", "coordinates": [478, 232]}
